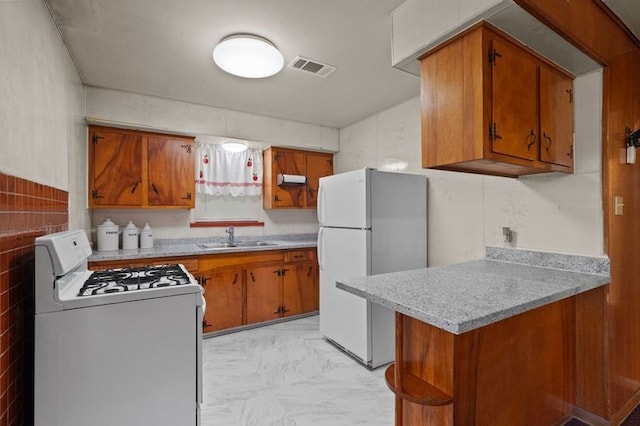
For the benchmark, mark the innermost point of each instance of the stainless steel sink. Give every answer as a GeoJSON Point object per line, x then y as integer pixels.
{"type": "Point", "coordinates": [213, 246]}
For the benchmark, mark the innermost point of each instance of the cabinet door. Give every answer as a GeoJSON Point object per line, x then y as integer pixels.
{"type": "Point", "coordinates": [264, 293]}
{"type": "Point", "coordinates": [171, 172]}
{"type": "Point", "coordinates": [556, 117]}
{"type": "Point", "coordinates": [115, 169]}
{"type": "Point", "coordinates": [300, 289]}
{"type": "Point", "coordinates": [290, 163]}
{"type": "Point", "coordinates": [318, 165]}
{"type": "Point", "coordinates": [514, 100]}
{"type": "Point", "coordinates": [224, 295]}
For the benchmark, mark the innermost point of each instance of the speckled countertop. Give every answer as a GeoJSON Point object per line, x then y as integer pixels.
{"type": "Point", "coordinates": [465, 296]}
{"type": "Point", "coordinates": [190, 247]}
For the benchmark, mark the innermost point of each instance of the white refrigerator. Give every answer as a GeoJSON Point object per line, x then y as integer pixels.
{"type": "Point", "coordinates": [371, 222]}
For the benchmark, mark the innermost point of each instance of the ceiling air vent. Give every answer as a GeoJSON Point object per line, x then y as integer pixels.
{"type": "Point", "coordinates": [311, 66]}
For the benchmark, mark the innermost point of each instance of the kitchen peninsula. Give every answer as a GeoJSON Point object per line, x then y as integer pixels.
{"type": "Point", "coordinates": [494, 341]}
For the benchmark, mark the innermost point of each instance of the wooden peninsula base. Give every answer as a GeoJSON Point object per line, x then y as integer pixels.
{"type": "Point", "coordinates": [518, 371]}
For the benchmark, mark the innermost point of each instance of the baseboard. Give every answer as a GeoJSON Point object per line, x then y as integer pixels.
{"type": "Point", "coordinates": [258, 324]}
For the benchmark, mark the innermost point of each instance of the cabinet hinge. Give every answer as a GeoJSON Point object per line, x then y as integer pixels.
{"type": "Point", "coordinates": [493, 54]}
{"type": "Point", "coordinates": [570, 93]}
{"type": "Point", "coordinates": [493, 133]}
{"type": "Point", "coordinates": [94, 194]}
{"type": "Point", "coordinates": [187, 147]}
{"type": "Point", "coordinates": [187, 196]}
{"type": "Point", "coordinates": [95, 138]}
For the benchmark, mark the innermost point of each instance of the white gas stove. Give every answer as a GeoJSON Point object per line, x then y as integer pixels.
{"type": "Point", "coordinates": [119, 346]}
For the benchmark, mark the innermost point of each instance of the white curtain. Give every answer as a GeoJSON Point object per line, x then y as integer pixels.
{"type": "Point", "coordinates": [220, 172]}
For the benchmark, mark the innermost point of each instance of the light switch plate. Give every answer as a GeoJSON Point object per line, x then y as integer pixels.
{"type": "Point", "coordinates": [618, 203]}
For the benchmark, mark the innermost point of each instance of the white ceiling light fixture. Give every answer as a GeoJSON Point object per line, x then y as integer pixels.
{"type": "Point", "coordinates": [234, 146]}
{"type": "Point", "coordinates": [248, 55]}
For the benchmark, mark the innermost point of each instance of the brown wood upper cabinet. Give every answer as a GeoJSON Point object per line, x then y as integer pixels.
{"type": "Point", "coordinates": [132, 169]}
{"type": "Point", "coordinates": [491, 105]}
{"type": "Point", "coordinates": [313, 165]}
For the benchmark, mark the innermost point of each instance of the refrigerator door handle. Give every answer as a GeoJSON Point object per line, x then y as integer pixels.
{"type": "Point", "coordinates": [320, 205]}
{"type": "Point", "coordinates": [320, 253]}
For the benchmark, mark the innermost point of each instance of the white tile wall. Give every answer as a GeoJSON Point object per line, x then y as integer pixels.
{"type": "Point", "coordinates": [174, 116]}
{"type": "Point", "coordinates": [41, 105]}
{"type": "Point", "coordinates": [553, 212]}
{"type": "Point", "coordinates": [418, 24]}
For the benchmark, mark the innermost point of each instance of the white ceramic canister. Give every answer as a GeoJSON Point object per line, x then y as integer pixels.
{"type": "Point", "coordinates": [108, 236]}
{"type": "Point", "coordinates": [146, 237]}
{"type": "Point", "coordinates": [130, 237]}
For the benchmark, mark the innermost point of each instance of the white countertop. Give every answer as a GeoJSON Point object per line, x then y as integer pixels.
{"type": "Point", "coordinates": [466, 296]}
{"type": "Point", "coordinates": [190, 247]}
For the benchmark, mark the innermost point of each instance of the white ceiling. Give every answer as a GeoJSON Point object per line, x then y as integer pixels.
{"type": "Point", "coordinates": [628, 11]}
{"type": "Point", "coordinates": [163, 48]}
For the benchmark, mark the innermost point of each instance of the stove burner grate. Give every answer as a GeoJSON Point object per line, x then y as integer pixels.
{"type": "Point", "coordinates": [131, 279]}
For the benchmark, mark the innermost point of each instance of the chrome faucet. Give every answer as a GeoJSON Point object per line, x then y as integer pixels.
{"type": "Point", "coordinates": [231, 232]}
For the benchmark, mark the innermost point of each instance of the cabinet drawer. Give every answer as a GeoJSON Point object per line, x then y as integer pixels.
{"type": "Point", "coordinates": [299, 255]}
{"type": "Point", "coordinates": [223, 260]}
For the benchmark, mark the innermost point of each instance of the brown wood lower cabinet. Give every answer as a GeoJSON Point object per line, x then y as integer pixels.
{"type": "Point", "coordinates": [281, 290]}
{"type": "Point", "coordinates": [249, 288]}
{"type": "Point", "coordinates": [300, 289]}
{"type": "Point", "coordinates": [264, 293]}
{"type": "Point", "coordinates": [518, 371]}
{"type": "Point", "coordinates": [224, 293]}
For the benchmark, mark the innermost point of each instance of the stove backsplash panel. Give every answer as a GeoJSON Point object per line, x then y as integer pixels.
{"type": "Point", "coordinates": [27, 210]}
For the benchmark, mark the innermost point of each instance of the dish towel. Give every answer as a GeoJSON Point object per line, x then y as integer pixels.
{"type": "Point", "coordinates": [220, 172]}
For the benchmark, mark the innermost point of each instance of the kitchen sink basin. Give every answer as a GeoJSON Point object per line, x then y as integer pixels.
{"type": "Point", "coordinates": [213, 246]}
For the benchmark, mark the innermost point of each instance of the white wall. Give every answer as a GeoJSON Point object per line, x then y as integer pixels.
{"type": "Point", "coordinates": [553, 212]}
{"type": "Point", "coordinates": [41, 105]}
{"type": "Point", "coordinates": [207, 124]}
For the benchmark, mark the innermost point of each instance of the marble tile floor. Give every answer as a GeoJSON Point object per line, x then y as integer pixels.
{"type": "Point", "coordinates": [286, 374]}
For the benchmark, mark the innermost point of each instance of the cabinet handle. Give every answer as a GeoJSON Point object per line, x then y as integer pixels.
{"type": "Point", "coordinates": [283, 310]}
{"type": "Point", "coordinates": [279, 311]}
{"type": "Point", "coordinates": [187, 147]}
{"type": "Point", "coordinates": [279, 272]}
{"type": "Point", "coordinates": [205, 324]}
{"type": "Point", "coordinates": [531, 139]}
{"type": "Point", "coordinates": [133, 188]}
{"type": "Point", "coordinates": [235, 278]}
{"type": "Point", "coordinates": [284, 271]}
{"type": "Point", "coordinates": [155, 188]}
{"type": "Point", "coordinates": [252, 277]}
{"type": "Point", "coordinates": [298, 256]}
{"type": "Point", "coordinates": [276, 199]}
{"type": "Point", "coordinates": [187, 196]}
{"type": "Point", "coordinates": [547, 141]}
{"type": "Point", "coordinates": [310, 271]}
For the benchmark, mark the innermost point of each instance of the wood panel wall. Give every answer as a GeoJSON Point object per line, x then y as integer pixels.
{"type": "Point", "coordinates": [590, 26]}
